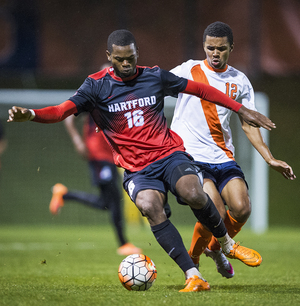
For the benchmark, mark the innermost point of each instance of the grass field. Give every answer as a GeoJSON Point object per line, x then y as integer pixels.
{"type": "Point", "coordinates": [72, 265]}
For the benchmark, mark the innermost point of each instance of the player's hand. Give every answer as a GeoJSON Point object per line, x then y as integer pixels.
{"type": "Point", "coordinates": [283, 168]}
{"type": "Point", "coordinates": [18, 114]}
{"type": "Point", "coordinates": [255, 118]}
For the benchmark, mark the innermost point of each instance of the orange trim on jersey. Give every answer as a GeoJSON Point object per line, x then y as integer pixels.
{"type": "Point", "coordinates": [214, 69]}
{"type": "Point", "coordinates": [211, 114]}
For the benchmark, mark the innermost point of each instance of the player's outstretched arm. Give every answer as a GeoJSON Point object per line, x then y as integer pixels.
{"type": "Point", "coordinates": [215, 96]}
{"type": "Point", "coordinates": [19, 114]}
{"type": "Point", "coordinates": [256, 139]}
{"type": "Point", "coordinates": [50, 114]}
{"type": "Point", "coordinates": [283, 168]}
{"type": "Point", "coordinates": [255, 118]}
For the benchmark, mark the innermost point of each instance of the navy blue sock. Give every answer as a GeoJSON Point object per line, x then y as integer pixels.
{"type": "Point", "coordinates": [85, 198]}
{"type": "Point", "coordinates": [170, 240]}
{"type": "Point", "coordinates": [109, 199]}
{"type": "Point", "coordinates": [210, 217]}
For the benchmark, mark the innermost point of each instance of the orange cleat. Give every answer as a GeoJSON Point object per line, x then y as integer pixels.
{"type": "Point", "coordinates": [248, 256]}
{"type": "Point", "coordinates": [128, 249]}
{"type": "Point", "coordinates": [194, 284]}
{"type": "Point", "coordinates": [57, 201]}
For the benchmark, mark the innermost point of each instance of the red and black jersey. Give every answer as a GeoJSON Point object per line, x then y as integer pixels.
{"type": "Point", "coordinates": [130, 113]}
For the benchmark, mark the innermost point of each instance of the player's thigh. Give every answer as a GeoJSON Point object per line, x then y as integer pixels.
{"type": "Point", "coordinates": [235, 193]}
{"type": "Point", "coordinates": [210, 188]}
{"type": "Point", "coordinates": [190, 191]}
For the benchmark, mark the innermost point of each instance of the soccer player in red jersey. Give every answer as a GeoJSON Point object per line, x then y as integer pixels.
{"type": "Point", "coordinates": [126, 102]}
{"type": "Point", "coordinates": [93, 147]}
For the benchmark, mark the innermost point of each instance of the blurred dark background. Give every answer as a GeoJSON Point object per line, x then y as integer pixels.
{"type": "Point", "coordinates": [67, 39]}
{"type": "Point", "coordinates": [55, 44]}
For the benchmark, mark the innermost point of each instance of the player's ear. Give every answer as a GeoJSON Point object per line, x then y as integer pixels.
{"type": "Point", "coordinates": [231, 47]}
{"type": "Point", "coordinates": [137, 52]}
{"type": "Point", "coordinates": [108, 55]}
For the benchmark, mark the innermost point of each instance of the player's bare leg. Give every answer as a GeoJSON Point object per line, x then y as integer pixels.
{"type": "Point", "coordinates": [236, 196]}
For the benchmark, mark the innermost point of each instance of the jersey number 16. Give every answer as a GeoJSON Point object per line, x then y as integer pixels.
{"type": "Point", "coordinates": [135, 118]}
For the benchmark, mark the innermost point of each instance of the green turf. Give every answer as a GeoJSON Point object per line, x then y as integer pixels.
{"type": "Point", "coordinates": [74, 265]}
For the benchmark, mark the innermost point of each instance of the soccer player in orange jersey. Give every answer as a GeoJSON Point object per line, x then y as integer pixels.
{"type": "Point", "coordinates": [205, 130]}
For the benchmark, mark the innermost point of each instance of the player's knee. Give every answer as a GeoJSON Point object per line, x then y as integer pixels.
{"type": "Point", "coordinates": [242, 212]}
{"type": "Point", "coordinates": [154, 214]}
{"type": "Point", "coordinates": [151, 207]}
{"type": "Point", "coordinates": [195, 198]}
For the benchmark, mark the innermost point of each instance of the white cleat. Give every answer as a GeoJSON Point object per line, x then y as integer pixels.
{"type": "Point", "coordinates": [223, 265]}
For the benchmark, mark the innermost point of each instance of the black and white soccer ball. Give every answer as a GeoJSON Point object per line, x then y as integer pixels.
{"type": "Point", "coordinates": [137, 272]}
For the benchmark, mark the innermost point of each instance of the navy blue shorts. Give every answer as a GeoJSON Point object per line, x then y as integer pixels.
{"type": "Point", "coordinates": [103, 172]}
{"type": "Point", "coordinates": [161, 175]}
{"type": "Point", "coordinates": [221, 174]}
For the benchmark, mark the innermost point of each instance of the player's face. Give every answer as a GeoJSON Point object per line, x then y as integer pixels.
{"type": "Point", "coordinates": [217, 51]}
{"type": "Point", "coordinates": [123, 60]}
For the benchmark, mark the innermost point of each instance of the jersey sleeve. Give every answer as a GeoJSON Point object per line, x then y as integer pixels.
{"type": "Point", "coordinates": [176, 70]}
{"type": "Point", "coordinates": [211, 94]}
{"type": "Point", "coordinates": [247, 95]}
{"type": "Point", "coordinates": [183, 70]}
{"type": "Point", "coordinates": [57, 113]}
{"type": "Point", "coordinates": [173, 84]}
{"type": "Point", "coordinates": [85, 96]}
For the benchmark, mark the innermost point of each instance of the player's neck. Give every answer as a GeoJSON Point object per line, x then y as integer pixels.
{"type": "Point", "coordinates": [116, 77]}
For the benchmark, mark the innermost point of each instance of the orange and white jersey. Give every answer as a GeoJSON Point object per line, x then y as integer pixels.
{"type": "Point", "coordinates": [204, 126]}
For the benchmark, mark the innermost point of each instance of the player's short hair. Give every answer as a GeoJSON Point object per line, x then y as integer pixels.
{"type": "Point", "coordinates": [120, 38]}
{"type": "Point", "coordinates": [219, 29]}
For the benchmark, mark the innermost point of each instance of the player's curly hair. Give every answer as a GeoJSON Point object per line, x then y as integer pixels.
{"type": "Point", "coordinates": [120, 38]}
{"type": "Point", "coordinates": [219, 29]}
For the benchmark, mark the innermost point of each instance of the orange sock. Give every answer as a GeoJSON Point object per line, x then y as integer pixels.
{"type": "Point", "coordinates": [200, 240]}
{"type": "Point", "coordinates": [233, 227]}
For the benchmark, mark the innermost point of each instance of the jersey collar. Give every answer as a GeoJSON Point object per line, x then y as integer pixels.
{"type": "Point", "coordinates": [213, 69]}
{"type": "Point", "coordinates": [111, 73]}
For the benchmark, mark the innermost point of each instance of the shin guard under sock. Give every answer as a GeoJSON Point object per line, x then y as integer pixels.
{"type": "Point", "coordinates": [85, 198]}
{"type": "Point", "coordinates": [210, 217]}
{"type": "Point", "coordinates": [200, 240]}
{"type": "Point", "coordinates": [170, 240]}
{"type": "Point", "coordinates": [233, 228]}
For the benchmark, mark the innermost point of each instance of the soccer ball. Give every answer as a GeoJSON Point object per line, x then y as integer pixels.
{"type": "Point", "coordinates": [137, 272]}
